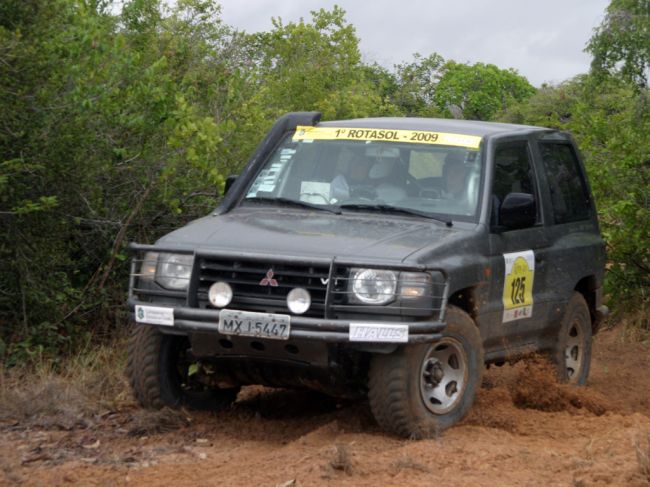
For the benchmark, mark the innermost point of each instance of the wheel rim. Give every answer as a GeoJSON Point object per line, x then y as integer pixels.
{"type": "Point", "coordinates": [443, 376]}
{"type": "Point", "coordinates": [574, 351]}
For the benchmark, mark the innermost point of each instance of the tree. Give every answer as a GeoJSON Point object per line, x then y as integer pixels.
{"type": "Point", "coordinates": [614, 120]}
{"type": "Point", "coordinates": [611, 122]}
{"type": "Point", "coordinates": [314, 66]}
{"type": "Point", "coordinates": [550, 106]}
{"type": "Point", "coordinates": [417, 82]}
{"type": "Point", "coordinates": [385, 84]}
{"type": "Point", "coordinates": [478, 91]}
{"type": "Point", "coordinates": [621, 44]}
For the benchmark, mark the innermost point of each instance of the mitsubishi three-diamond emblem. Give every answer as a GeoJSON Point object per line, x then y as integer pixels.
{"type": "Point", "coordinates": [268, 280]}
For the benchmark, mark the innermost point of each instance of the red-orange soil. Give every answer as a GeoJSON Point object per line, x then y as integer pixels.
{"type": "Point", "coordinates": [523, 430]}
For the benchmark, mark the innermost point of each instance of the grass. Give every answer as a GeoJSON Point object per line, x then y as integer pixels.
{"type": "Point", "coordinates": [636, 325]}
{"type": "Point", "coordinates": [68, 393]}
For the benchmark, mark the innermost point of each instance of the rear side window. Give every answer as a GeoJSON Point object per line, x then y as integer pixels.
{"type": "Point", "coordinates": [569, 195]}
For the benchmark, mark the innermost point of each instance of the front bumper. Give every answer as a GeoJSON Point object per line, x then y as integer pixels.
{"type": "Point", "coordinates": [188, 320]}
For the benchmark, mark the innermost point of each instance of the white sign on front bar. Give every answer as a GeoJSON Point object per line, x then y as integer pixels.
{"type": "Point", "coordinates": [154, 315]}
{"type": "Point", "coordinates": [378, 333]}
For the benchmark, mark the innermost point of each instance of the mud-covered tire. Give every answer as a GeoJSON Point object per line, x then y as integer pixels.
{"type": "Point", "coordinates": [155, 370]}
{"type": "Point", "coordinates": [403, 385]}
{"type": "Point", "coordinates": [572, 354]}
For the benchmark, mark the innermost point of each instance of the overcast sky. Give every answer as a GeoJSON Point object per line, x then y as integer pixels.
{"type": "Point", "coordinates": [544, 40]}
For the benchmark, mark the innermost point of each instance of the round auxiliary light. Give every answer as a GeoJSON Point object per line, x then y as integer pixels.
{"type": "Point", "coordinates": [220, 294]}
{"type": "Point", "coordinates": [298, 300]}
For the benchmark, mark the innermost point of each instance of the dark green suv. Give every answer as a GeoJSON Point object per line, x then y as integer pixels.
{"type": "Point", "coordinates": [392, 257]}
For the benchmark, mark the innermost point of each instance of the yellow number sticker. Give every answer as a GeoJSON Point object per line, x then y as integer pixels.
{"type": "Point", "coordinates": [518, 285]}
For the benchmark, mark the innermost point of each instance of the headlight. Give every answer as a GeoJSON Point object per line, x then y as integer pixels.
{"type": "Point", "coordinates": [372, 286]}
{"type": "Point", "coordinates": [174, 271]}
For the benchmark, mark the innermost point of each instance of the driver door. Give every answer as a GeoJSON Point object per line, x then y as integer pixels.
{"type": "Point", "coordinates": [518, 300]}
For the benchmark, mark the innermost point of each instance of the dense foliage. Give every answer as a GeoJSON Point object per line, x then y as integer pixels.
{"type": "Point", "coordinates": [621, 45]}
{"type": "Point", "coordinates": [121, 123]}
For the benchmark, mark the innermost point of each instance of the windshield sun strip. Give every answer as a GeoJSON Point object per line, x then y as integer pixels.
{"type": "Point", "coordinates": [386, 135]}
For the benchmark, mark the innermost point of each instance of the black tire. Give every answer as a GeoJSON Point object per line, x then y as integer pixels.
{"type": "Point", "coordinates": [157, 369]}
{"type": "Point", "coordinates": [572, 354]}
{"type": "Point", "coordinates": [405, 385]}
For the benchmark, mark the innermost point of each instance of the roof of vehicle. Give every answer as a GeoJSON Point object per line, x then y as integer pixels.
{"type": "Point", "coordinates": [468, 127]}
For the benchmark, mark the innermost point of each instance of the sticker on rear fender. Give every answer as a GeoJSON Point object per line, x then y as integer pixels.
{"type": "Point", "coordinates": [154, 315]}
{"type": "Point", "coordinates": [518, 285]}
{"type": "Point", "coordinates": [378, 333]}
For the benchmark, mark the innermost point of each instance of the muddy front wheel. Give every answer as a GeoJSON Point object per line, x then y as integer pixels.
{"type": "Point", "coordinates": [158, 371]}
{"type": "Point", "coordinates": [420, 390]}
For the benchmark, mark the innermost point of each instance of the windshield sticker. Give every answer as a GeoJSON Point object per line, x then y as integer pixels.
{"type": "Point", "coordinates": [518, 285]}
{"type": "Point", "coordinates": [315, 192]}
{"type": "Point", "coordinates": [267, 179]}
{"type": "Point", "coordinates": [309, 133]}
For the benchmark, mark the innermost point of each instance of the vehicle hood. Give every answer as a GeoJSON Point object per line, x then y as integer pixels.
{"type": "Point", "coordinates": [359, 236]}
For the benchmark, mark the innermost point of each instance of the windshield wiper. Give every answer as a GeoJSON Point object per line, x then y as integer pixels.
{"type": "Point", "coordinates": [393, 209]}
{"type": "Point", "coordinates": [289, 201]}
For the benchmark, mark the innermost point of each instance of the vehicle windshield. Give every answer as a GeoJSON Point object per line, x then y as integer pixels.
{"type": "Point", "coordinates": [430, 173]}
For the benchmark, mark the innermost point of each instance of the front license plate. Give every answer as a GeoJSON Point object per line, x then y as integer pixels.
{"type": "Point", "coordinates": [249, 324]}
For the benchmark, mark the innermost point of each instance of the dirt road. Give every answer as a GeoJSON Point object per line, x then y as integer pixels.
{"type": "Point", "coordinates": [596, 436]}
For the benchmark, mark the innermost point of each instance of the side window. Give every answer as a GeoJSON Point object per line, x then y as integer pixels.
{"type": "Point", "coordinates": [513, 173]}
{"type": "Point", "coordinates": [569, 195]}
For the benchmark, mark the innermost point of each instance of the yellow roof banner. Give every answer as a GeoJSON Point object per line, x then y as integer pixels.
{"type": "Point", "coordinates": [308, 132]}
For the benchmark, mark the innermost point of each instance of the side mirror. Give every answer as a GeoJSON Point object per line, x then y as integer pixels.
{"type": "Point", "coordinates": [518, 210]}
{"type": "Point", "coordinates": [230, 180]}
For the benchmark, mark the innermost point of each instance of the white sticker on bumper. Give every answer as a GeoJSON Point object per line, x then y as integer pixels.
{"type": "Point", "coordinates": [378, 333]}
{"type": "Point", "coordinates": [154, 315]}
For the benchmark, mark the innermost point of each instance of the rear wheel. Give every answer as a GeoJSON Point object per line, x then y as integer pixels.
{"type": "Point", "coordinates": [421, 390]}
{"type": "Point", "coordinates": [159, 372]}
{"type": "Point", "coordinates": [572, 354]}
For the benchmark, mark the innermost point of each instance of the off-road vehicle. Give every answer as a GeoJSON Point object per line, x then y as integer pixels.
{"type": "Point", "coordinates": [393, 257]}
